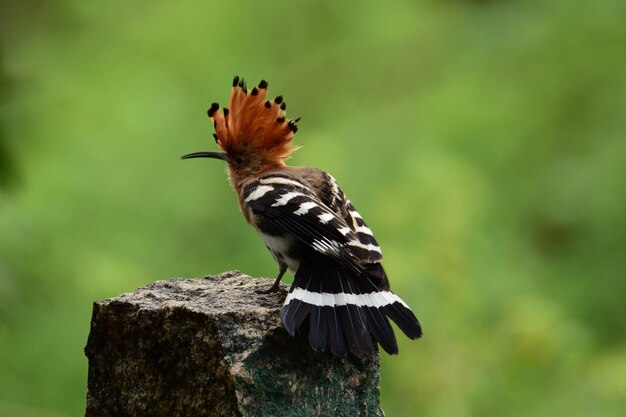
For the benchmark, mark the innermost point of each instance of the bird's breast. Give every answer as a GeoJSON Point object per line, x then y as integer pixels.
{"type": "Point", "coordinates": [284, 247]}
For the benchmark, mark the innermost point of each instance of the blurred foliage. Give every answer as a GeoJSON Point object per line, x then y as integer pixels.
{"type": "Point", "coordinates": [6, 163]}
{"type": "Point", "coordinates": [482, 140]}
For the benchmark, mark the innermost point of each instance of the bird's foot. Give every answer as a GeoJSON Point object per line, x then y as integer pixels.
{"type": "Point", "coordinates": [274, 288]}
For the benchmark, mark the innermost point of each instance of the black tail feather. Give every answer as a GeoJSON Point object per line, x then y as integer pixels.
{"type": "Point", "coordinates": [405, 319]}
{"type": "Point", "coordinates": [357, 334]}
{"type": "Point", "coordinates": [336, 336]}
{"type": "Point", "coordinates": [380, 327]}
{"type": "Point", "coordinates": [318, 330]}
{"type": "Point", "coordinates": [345, 309]}
{"type": "Point", "coordinates": [401, 315]}
{"type": "Point", "coordinates": [293, 315]}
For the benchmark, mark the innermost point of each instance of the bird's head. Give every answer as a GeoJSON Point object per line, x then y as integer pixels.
{"type": "Point", "coordinates": [254, 135]}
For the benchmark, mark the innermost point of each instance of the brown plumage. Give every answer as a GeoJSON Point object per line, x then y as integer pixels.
{"type": "Point", "coordinates": [253, 124]}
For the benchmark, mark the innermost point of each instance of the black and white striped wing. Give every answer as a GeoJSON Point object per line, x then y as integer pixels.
{"type": "Point", "coordinates": [365, 247]}
{"type": "Point", "coordinates": [294, 208]}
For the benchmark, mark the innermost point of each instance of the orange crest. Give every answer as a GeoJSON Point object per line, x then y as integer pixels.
{"type": "Point", "coordinates": [253, 124]}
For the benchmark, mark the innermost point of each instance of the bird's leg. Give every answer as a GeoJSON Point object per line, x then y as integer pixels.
{"type": "Point", "coordinates": [276, 286]}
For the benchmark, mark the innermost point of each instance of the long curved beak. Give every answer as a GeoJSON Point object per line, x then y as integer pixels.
{"type": "Point", "coordinates": [206, 154]}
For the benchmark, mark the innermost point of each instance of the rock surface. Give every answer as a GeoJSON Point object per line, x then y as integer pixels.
{"type": "Point", "coordinates": [214, 347]}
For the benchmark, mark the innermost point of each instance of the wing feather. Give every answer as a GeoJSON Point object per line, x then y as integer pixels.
{"type": "Point", "coordinates": [301, 213]}
{"type": "Point", "coordinates": [323, 218]}
{"type": "Point", "coordinates": [363, 244]}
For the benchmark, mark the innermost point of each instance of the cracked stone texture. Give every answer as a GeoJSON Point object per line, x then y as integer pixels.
{"type": "Point", "coordinates": [214, 347]}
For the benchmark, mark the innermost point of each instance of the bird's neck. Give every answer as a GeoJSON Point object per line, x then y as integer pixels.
{"type": "Point", "coordinates": [239, 178]}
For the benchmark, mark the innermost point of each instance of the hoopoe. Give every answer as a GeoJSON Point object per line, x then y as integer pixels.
{"type": "Point", "coordinates": [310, 227]}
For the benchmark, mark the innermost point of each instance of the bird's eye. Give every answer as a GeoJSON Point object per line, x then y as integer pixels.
{"type": "Point", "coordinates": [239, 160]}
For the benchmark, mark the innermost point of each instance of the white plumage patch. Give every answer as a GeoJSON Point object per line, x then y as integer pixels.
{"type": "Point", "coordinates": [369, 246]}
{"type": "Point", "coordinates": [326, 217]}
{"type": "Point", "coordinates": [327, 299]}
{"type": "Point", "coordinates": [285, 198]}
{"type": "Point", "coordinates": [364, 229]}
{"type": "Point", "coordinates": [326, 246]}
{"type": "Point", "coordinates": [345, 231]}
{"type": "Point", "coordinates": [259, 192]}
{"type": "Point", "coordinates": [355, 214]}
{"type": "Point", "coordinates": [305, 207]}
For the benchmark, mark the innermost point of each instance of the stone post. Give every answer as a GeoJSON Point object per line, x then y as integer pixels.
{"type": "Point", "coordinates": [213, 347]}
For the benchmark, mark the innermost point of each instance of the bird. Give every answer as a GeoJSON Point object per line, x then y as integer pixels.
{"type": "Point", "coordinates": [340, 293]}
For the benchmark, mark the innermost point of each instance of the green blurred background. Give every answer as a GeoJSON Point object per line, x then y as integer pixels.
{"type": "Point", "coordinates": [483, 141]}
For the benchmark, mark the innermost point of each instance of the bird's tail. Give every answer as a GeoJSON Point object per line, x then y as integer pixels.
{"type": "Point", "coordinates": [346, 310]}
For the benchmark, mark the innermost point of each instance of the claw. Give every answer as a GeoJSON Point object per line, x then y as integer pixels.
{"type": "Point", "coordinates": [274, 288]}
